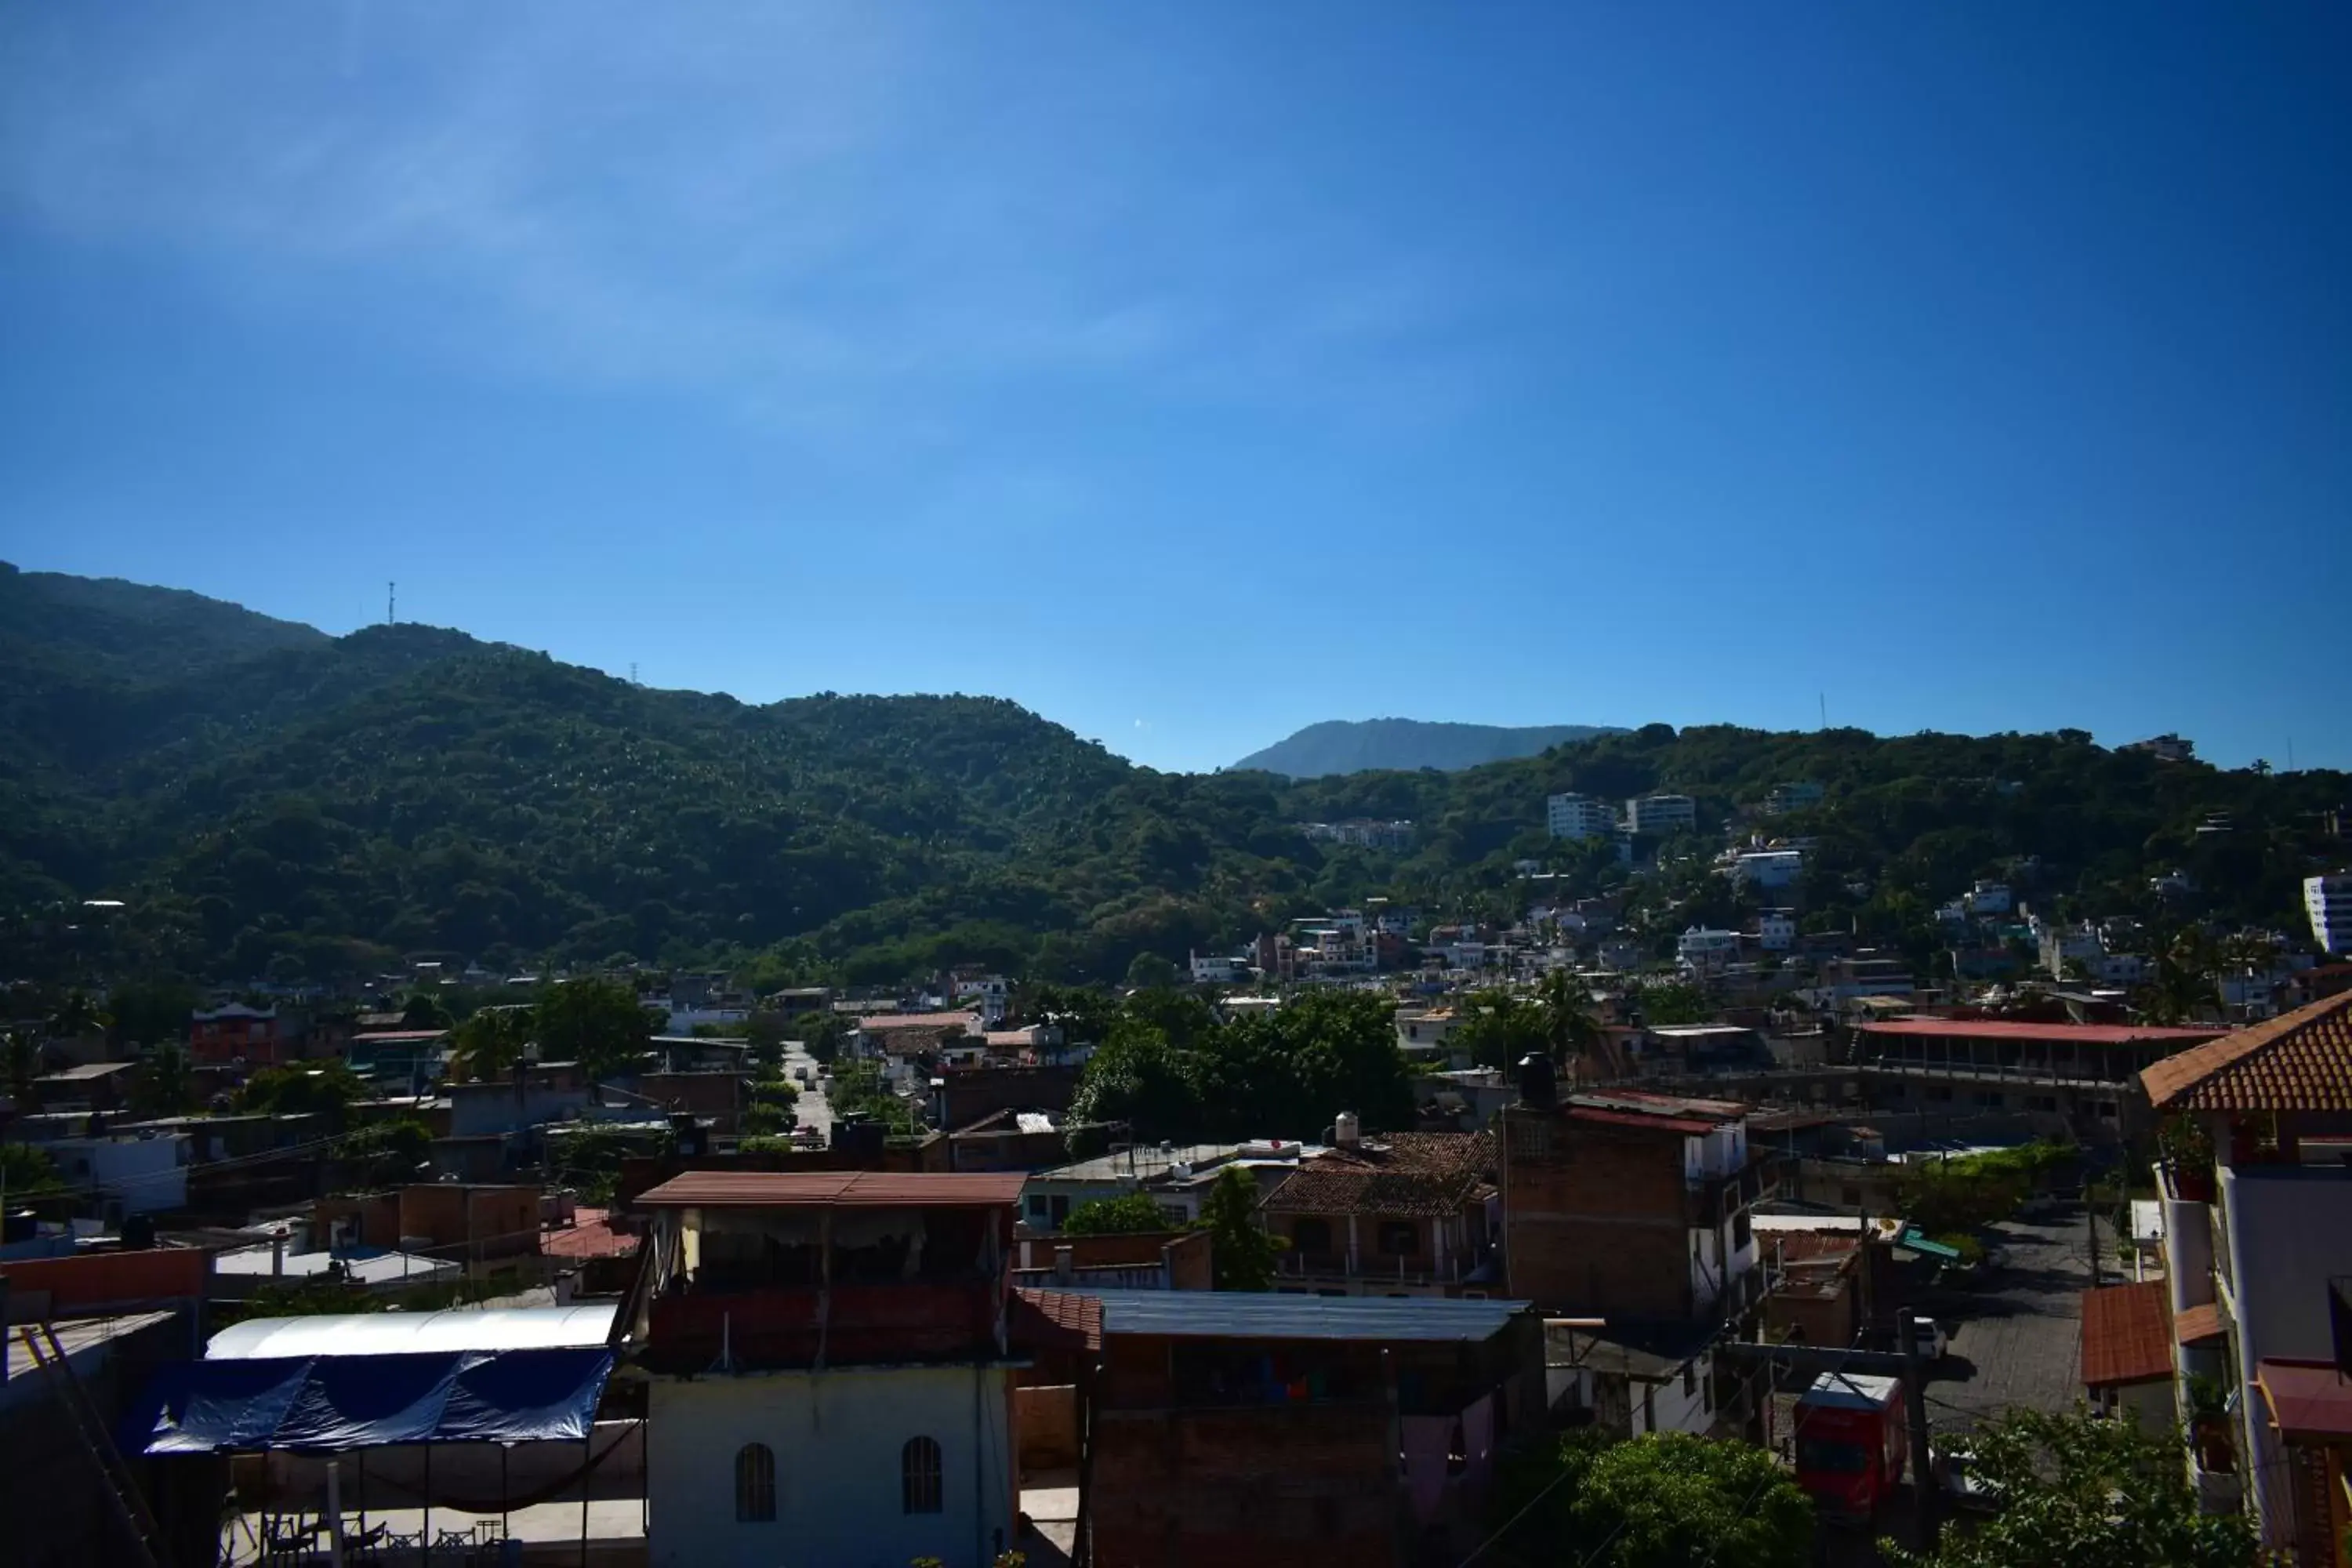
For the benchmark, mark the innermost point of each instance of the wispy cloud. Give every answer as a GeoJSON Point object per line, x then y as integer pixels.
{"type": "Point", "coordinates": [817, 211]}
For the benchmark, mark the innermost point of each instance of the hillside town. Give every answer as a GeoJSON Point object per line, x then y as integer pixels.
{"type": "Point", "coordinates": [633, 1265]}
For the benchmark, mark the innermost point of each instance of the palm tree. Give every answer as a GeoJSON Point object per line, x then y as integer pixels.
{"type": "Point", "coordinates": [75, 1016]}
{"type": "Point", "coordinates": [1569, 1029]}
{"type": "Point", "coordinates": [488, 1045]}
{"type": "Point", "coordinates": [24, 1064]}
{"type": "Point", "coordinates": [168, 1088]}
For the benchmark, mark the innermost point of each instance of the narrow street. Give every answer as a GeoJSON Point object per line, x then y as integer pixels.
{"type": "Point", "coordinates": [2016, 1337]}
{"type": "Point", "coordinates": [812, 1109]}
{"type": "Point", "coordinates": [2016, 1342]}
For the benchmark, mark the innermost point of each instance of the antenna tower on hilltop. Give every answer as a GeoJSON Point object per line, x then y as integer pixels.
{"type": "Point", "coordinates": [392, 604]}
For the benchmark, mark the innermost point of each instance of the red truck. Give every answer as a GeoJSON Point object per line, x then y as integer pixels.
{"type": "Point", "coordinates": [1850, 1442]}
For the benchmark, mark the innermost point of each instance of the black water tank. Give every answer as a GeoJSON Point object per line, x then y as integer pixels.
{"type": "Point", "coordinates": [1537, 1088]}
{"type": "Point", "coordinates": [19, 1224]}
{"type": "Point", "coordinates": [138, 1233]}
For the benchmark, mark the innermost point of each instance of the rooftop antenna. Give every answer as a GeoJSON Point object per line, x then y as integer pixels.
{"type": "Point", "coordinates": [391, 604]}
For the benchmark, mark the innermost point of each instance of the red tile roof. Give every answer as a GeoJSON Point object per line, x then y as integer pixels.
{"type": "Point", "coordinates": [830, 1189]}
{"type": "Point", "coordinates": [2198, 1324]}
{"type": "Point", "coordinates": [2297, 1061]}
{"type": "Point", "coordinates": [2052, 1033]}
{"type": "Point", "coordinates": [880, 1022]}
{"type": "Point", "coordinates": [2309, 1400]}
{"type": "Point", "coordinates": [590, 1234]}
{"type": "Point", "coordinates": [1050, 1317]}
{"type": "Point", "coordinates": [1415, 1175]}
{"type": "Point", "coordinates": [2126, 1335]}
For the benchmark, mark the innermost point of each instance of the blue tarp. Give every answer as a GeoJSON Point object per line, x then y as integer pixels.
{"type": "Point", "coordinates": [330, 1403]}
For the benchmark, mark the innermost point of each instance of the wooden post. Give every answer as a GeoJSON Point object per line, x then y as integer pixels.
{"type": "Point", "coordinates": [587, 1445]}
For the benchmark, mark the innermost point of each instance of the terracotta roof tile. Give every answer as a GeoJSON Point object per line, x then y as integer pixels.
{"type": "Point", "coordinates": [808, 1189]}
{"type": "Point", "coordinates": [2198, 1324]}
{"type": "Point", "coordinates": [2297, 1061]}
{"type": "Point", "coordinates": [1415, 1174]}
{"type": "Point", "coordinates": [2126, 1335]}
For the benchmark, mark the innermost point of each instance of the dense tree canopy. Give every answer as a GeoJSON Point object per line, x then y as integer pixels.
{"type": "Point", "coordinates": [269, 802]}
{"type": "Point", "coordinates": [1171, 1069]}
{"type": "Point", "coordinates": [2088, 1492]}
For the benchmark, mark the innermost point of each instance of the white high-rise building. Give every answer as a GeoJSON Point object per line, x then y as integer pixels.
{"type": "Point", "coordinates": [2328, 901]}
{"type": "Point", "coordinates": [1662, 814]}
{"type": "Point", "coordinates": [1580, 816]}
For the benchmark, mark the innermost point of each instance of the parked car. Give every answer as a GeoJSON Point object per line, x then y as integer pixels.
{"type": "Point", "coordinates": [1928, 1335]}
{"type": "Point", "coordinates": [1952, 1461]}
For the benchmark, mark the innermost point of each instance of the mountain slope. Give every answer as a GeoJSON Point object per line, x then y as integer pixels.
{"type": "Point", "coordinates": [316, 807]}
{"type": "Point", "coordinates": [1354, 746]}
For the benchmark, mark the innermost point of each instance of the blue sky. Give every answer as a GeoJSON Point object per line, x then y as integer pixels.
{"type": "Point", "coordinates": [1190, 373]}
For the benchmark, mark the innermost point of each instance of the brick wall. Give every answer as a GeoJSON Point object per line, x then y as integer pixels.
{"type": "Point", "coordinates": [1251, 1485]}
{"type": "Point", "coordinates": [1046, 1427]}
{"type": "Point", "coordinates": [496, 1221]}
{"type": "Point", "coordinates": [108, 1279]}
{"type": "Point", "coordinates": [1594, 1217]}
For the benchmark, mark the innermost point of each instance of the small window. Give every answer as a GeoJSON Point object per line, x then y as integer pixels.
{"type": "Point", "coordinates": [755, 1484]}
{"type": "Point", "coordinates": [1690, 1378]}
{"type": "Point", "coordinates": [919, 1476]}
{"type": "Point", "coordinates": [1398, 1238]}
{"type": "Point", "coordinates": [1061, 1210]}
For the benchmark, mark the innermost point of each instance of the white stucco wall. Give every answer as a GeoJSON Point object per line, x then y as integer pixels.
{"type": "Point", "coordinates": [2289, 1231]}
{"type": "Point", "coordinates": [837, 1437]}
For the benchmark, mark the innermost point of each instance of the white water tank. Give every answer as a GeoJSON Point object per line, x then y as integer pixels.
{"type": "Point", "coordinates": [1345, 1131]}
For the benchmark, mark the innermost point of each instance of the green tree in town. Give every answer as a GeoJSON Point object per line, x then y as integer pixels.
{"type": "Point", "coordinates": [1498, 1028]}
{"type": "Point", "coordinates": [424, 1010]}
{"type": "Point", "coordinates": [1242, 1254]}
{"type": "Point", "coordinates": [488, 1045]}
{"type": "Point", "coordinates": [323, 1088]}
{"type": "Point", "coordinates": [1130, 1214]}
{"type": "Point", "coordinates": [166, 1088]}
{"type": "Point", "coordinates": [1670, 1500]}
{"type": "Point", "coordinates": [596, 1022]}
{"type": "Point", "coordinates": [1674, 1002]}
{"type": "Point", "coordinates": [24, 1064]}
{"type": "Point", "coordinates": [77, 1014]}
{"type": "Point", "coordinates": [26, 1171]}
{"type": "Point", "coordinates": [2087, 1492]}
{"type": "Point", "coordinates": [1135, 1077]}
{"type": "Point", "coordinates": [1569, 1028]}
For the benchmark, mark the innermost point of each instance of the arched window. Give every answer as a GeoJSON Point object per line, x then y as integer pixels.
{"type": "Point", "coordinates": [919, 1476]}
{"type": "Point", "coordinates": [755, 1484]}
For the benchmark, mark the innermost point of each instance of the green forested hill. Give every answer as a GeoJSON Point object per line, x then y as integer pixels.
{"type": "Point", "coordinates": [268, 800]}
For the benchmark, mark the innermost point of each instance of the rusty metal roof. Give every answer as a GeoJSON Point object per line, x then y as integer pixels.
{"type": "Point", "coordinates": [835, 1189]}
{"type": "Point", "coordinates": [1058, 1315]}
{"type": "Point", "coordinates": [2297, 1061]}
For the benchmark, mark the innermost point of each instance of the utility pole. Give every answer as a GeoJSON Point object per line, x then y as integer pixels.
{"type": "Point", "coordinates": [2090, 1226]}
{"type": "Point", "coordinates": [1915, 1409]}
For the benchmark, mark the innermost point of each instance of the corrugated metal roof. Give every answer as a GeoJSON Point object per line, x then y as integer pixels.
{"type": "Point", "coordinates": [1237, 1314]}
{"type": "Point", "coordinates": [2310, 1401]}
{"type": "Point", "coordinates": [896, 1189]}
{"type": "Point", "coordinates": [383, 1333]}
{"type": "Point", "coordinates": [2052, 1033]}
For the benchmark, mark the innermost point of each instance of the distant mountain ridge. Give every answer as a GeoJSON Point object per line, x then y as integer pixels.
{"type": "Point", "coordinates": [1355, 746]}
